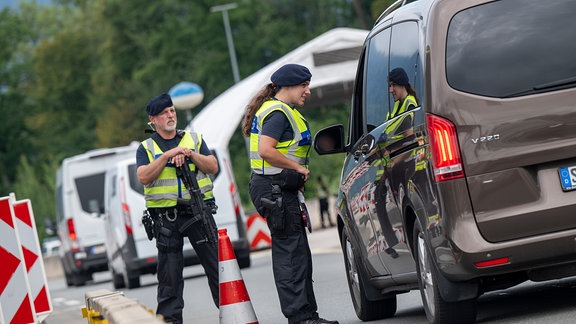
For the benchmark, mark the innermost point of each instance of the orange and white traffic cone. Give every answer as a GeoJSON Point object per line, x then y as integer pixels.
{"type": "Point", "coordinates": [235, 304]}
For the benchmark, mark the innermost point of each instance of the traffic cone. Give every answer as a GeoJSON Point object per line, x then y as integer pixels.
{"type": "Point", "coordinates": [235, 304]}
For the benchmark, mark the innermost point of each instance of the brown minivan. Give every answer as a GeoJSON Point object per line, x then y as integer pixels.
{"type": "Point", "coordinates": [473, 187]}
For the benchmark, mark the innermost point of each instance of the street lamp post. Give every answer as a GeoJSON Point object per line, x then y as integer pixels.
{"type": "Point", "coordinates": [224, 9]}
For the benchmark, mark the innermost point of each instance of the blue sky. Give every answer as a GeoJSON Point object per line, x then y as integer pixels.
{"type": "Point", "coordinates": [14, 3]}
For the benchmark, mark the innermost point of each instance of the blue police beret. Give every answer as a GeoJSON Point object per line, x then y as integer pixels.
{"type": "Point", "coordinates": [291, 74]}
{"type": "Point", "coordinates": [158, 103]}
{"type": "Point", "coordinates": [398, 76]}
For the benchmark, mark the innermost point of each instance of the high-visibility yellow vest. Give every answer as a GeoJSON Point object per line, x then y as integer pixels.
{"type": "Point", "coordinates": [410, 100]}
{"type": "Point", "coordinates": [296, 149]}
{"type": "Point", "coordinates": [167, 188]}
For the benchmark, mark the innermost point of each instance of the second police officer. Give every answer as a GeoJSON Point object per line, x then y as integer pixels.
{"type": "Point", "coordinates": [279, 146]}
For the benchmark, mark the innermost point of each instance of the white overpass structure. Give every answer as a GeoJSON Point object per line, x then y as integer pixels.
{"type": "Point", "coordinates": [332, 59]}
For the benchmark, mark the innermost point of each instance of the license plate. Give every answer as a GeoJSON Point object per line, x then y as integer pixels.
{"type": "Point", "coordinates": [97, 249]}
{"type": "Point", "coordinates": [568, 178]}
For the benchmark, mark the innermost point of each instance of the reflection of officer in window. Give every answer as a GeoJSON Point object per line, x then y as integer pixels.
{"type": "Point", "coordinates": [404, 94]}
{"type": "Point", "coordinates": [405, 99]}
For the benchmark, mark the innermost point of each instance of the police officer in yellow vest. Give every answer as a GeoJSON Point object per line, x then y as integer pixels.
{"type": "Point", "coordinates": [157, 161]}
{"type": "Point", "coordinates": [279, 146]}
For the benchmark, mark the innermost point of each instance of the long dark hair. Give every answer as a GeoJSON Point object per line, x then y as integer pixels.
{"type": "Point", "coordinates": [411, 92]}
{"type": "Point", "coordinates": [264, 94]}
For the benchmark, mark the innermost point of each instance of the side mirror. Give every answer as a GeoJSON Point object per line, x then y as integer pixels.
{"type": "Point", "coordinates": [330, 140]}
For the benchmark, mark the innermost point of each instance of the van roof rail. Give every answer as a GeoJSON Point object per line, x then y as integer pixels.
{"type": "Point", "coordinates": [392, 7]}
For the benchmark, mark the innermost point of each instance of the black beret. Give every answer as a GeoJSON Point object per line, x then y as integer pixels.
{"type": "Point", "coordinates": [398, 76]}
{"type": "Point", "coordinates": [158, 103]}
{"type": "Point", "coordinates": [291, 74]}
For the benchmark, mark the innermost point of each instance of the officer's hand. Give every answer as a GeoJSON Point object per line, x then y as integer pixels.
{"type": "Point", "coordinates": [305, 172]}
{"type": "Point", "coordinates": [178, 155]}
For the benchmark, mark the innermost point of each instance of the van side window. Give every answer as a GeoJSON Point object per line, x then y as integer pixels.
{"type": "Point", "coordinates": [113, 186]}
{"type": "Point", "coordinates": [134, 183]}
{"type": "Point", "coordinates": [404, 54]}
{"type": "Point", "coordinates": [356, 126]}
{"type": "Point", "coordinates": [376, 79]}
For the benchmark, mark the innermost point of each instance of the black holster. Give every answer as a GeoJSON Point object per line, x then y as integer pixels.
{"type": "Point", "coordinates": [274, 210]}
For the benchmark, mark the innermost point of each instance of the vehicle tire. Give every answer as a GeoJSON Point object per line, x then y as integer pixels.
{"type": "Point", "coordinates": [69, 280]}
{"type": "Point", "coordinates": [438, 311]}
{"type": "Point", "coordinates": [80, 279]}
{"type": "Point", "coordinates": [132, 280]}
{"type": "Point", "coordinates": [117, 280]}
{"type": "Point", "coordinates": [366, 310]}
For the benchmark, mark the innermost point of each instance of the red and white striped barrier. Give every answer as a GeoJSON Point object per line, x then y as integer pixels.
{"type": "Point", "coordinates": [26, 226]}
{"type": "Point", "coordinates": [16, 305]}
{"type": "Point", "coordinates": [235, 304]}
{"type": "Point", "coordinates": [257, 231]}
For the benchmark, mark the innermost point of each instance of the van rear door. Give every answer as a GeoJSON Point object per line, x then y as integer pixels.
{"type": "Point", "coordinates": [510, 89]}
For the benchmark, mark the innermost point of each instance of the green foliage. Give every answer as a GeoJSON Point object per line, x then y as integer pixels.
{"type": "Point", "coordinates": [37, 183]}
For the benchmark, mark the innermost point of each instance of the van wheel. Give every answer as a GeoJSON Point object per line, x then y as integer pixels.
{"type": "Point", "coordinates": [132, 280]}
{"type": "Point", "coordinates": [366, 309]}
{"type": "Point", "coordinates": [117, 280]}
{"type": "Point", "coordinates": [437, 309]}
{"type": "Point", "coordinates": [69, 280]}
{"type": "Point", "coordinates": [79, 279]}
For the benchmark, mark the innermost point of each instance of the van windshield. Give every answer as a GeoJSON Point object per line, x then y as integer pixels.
{"type": "Point", "coordinates": [512, 47]}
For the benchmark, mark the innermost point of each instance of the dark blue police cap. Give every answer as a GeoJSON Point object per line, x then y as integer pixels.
{"type": "Point", "coordinates": [158, 103]}
{"type": "Point", "coordinates": [291, 74]}
{"type": "Point", "coordinates": [398, 76]}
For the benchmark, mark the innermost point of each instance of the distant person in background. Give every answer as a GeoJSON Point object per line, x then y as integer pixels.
{"type": "Point", "coordinates": [322, 193]}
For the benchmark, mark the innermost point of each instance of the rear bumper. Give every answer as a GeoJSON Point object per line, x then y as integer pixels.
{"type": "Point", "coordinates": [74, 262]}
{"type": "Point", "coordinates": [457, 256]}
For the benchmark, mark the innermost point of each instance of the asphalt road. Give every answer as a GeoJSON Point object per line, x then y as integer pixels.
{"type": "Point", "coordinates": [548, 302]}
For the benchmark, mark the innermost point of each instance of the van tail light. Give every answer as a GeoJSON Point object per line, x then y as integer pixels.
{"type": "Point", "coordinates": [71, 229]}
{"type": "Point", "coordinates": [446, 158]}
{"type": "Point", "coordinates": [125, 209]}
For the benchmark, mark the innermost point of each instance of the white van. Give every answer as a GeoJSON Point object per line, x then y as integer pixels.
{"type": "Point", "coordinates": [130, 253]}
{"type": "Point", "coordinates": [79, 203]}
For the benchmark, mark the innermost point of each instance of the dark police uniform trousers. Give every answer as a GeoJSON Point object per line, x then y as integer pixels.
{"type": "Point", "coordinates": [171, 261]}
{"type": "Point", "coordinates": [291, 256]}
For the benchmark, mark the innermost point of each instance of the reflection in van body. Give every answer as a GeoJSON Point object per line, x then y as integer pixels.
{"type": "Point", "coordinates": [473, 189]}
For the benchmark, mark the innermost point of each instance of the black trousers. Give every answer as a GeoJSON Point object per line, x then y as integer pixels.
{"type": "Point", "coordinates": [291, 256]}
{"type": "Point", "coordinates": [171, 264]}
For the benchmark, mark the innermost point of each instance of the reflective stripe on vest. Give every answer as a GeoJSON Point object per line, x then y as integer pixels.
{"type": "Point", "coordinates": [408, 101]}
{"type": "Point", "coordinates": [167, 188]}
{"type": "Point", "coordinates": [295, 149]}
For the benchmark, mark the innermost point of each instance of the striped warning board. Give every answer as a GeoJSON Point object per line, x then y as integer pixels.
{"type": "Point", "coordinates": [26, 226]}
{"type": "Point", "coordinates": [257, 231]}
{"type": "Point", "coordinates": [15, 302]}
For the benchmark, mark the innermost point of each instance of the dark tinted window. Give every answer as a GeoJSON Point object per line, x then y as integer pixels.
{"type": "Point", "coordinates": [512, 47]}
{"type": "Point", "coordinates": [90, 188]}
{"type": "Point", "coordinates": [404, 54]}
{"type": "Point", "coordinates": [134, 183]}
{"type": "Point", "coordinates": [376, 84]}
